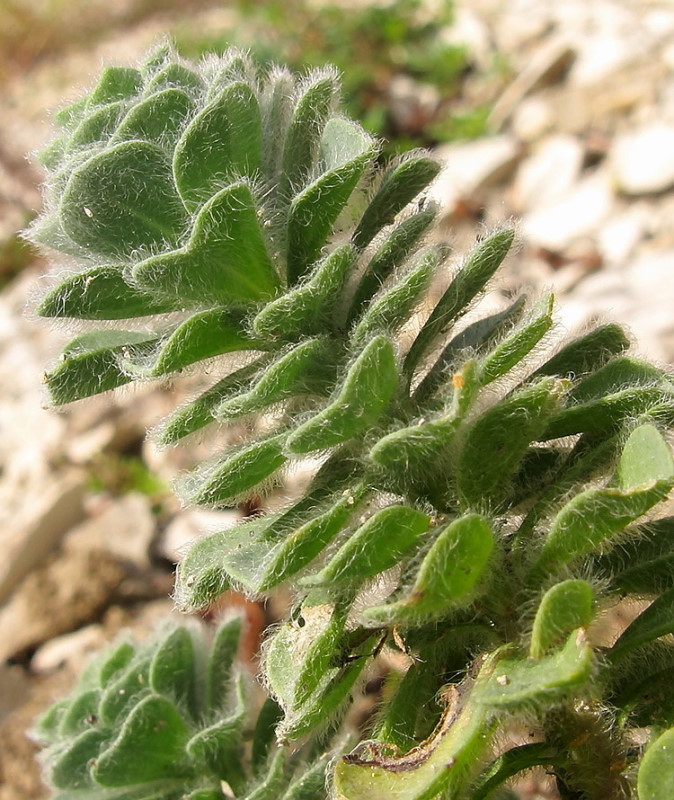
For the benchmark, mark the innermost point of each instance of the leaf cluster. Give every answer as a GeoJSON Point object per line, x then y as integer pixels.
{"type": "Point", "coordinates": [481, 494]}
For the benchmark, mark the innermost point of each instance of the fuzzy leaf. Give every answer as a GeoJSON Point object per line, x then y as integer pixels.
{"type": "Point", "coordinates": [124, 691]}
{"type": "Point", "coordinates": [482, 263]}
{"type": "Point", "coordinates": [622, 389]}
{"type": "Point", "coordinates": [116, 660]}
{"type": "Point", "coordinates": [105, 209]}
{"type": "Point", "coordinates": [306, 128]}
{"type": "Point", "coordinates": [645, 457]}
{"type": "Point", "coordinates": [159, 119]}
{"type": "Point", "coordinates": [199, 413]}
{"type": "Point", "coordinates": [390, 255]}
{"type": "Point", "coordinates": [401, 184]}
{"type": "Point", "coordinates": [101, 293]}
{"type": "Point", "coordinates": [447, 577]}
{"type": "Point", "coordinates": [513, 761]}
{"type": "Point", "coordinates": [307, 309]}
{"type": "Point", "coordinates": [519, 683]}
{"type": "Point", "coordinates": [390, 311]}
{"type": "Point", "coordinates": [90, 364]}
{"type": "Point", "coordinates": [277, 105]}
{"type": "Point", "coordinates": [311, 785]}
{"type": "Point", "coordinates": [274, 782]}
{"type": "Point", "coordinates": [236, 474]}
{"type": "Point", "coordinates": [225, 260]}
{"type": "Point", "coordinates": [81, 710]}
{"type": "Point", "coordinates": [172, 671]}
{"type": "Point", "coordinates": [565, 606]}
{"type": "Point", "coordinates": [645, 564]}
{"type": "Point", "coordinates": [116, 83]}
{"type": "Point", "coordinates": [587, 353]}
{"type": "Point", "coordinates": [150, 746]}
{"type": "Point", "coordinates": [264, 736]}
{"type": "Point", "coordinates": [314, 210]}
{"type": "Point", "coordinates": [374, 547]}
{"type": "Point", "coordinates": [497, 441]}
{"type": "Point", "coordinates": [364, 395]}
{"type": "Point", "coordinates": [175, 76]}
{"type": "Point", "coordinates": [98, 126]}
{"type": "Point", "coordinates": [71, 768]}
{"type": "Point", "coordinates": [201, 336]}
{"type": "Point", "coordinates": [220, 746]}
{"type": "Point", "coordinates": [220, 663]}
{"type": "Point", "coordinates": [305, 369]}
{"type": "Point", "coordinates": [222, 143]}
{"type": "Point", "coordinates": [515, 347]}
{"type": "Point", "coordinates": [655, 780]}
{"type": "Point", "coordinates": [656, 621]}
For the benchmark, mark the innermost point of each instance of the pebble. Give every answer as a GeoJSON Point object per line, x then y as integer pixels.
{"type": "Point", "coordinates": [548, 174]}
{"type": "Point", "coordinates": [578, 213]}
{"type": "Point", "coordinates": [642, 161]}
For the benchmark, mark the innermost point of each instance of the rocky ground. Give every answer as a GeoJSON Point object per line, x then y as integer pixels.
{"type": "Point", "coordinates": [581, 154]}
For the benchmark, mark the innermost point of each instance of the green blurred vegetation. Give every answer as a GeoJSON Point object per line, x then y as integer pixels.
{"type": "Point", "coordinates": [120, 474]}
{"type": "Point", "coordinates": [371, 44]}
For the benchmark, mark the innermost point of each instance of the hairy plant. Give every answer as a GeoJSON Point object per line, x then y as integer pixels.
{"type": "Point", "coordinates": [480, 500]}
{"type": "Point", "coordinates": [171, 719]}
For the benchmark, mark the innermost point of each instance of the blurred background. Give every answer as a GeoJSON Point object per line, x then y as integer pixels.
{"type": "Point", "coordinates": [557, 115]}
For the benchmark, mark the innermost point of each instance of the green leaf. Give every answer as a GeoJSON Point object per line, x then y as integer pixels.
{"type": "Point", "coordinates": [481, 264]}
{"type": "Point", "coordinates": [392, 309]}
{"type": "Point", "coordinates": [311, 785]}
{"type": "Point", "coordinates": [159, 118]}
{"type": "Point", "coordinates": [203, 335]}
{"type": "Point", "coordinates": [645, 457]}
{"type": "Point", "coordinates": [374, 547]}
{"type": "Point", "coordinates": [116, 83]}
{"type": "Point", "coordinates": [150, 746]}
{"type": "Point", "coordinates": [314, 210]}
{"type": "Point", "coordinates": [447, 577]}
{"type": "Point", "coordinates": [101, 293]}
{"type": "Point", "coordinates": [366, 392]}
{"type": "Point", "coordinates": [233, 476]}
{"type": "Point", "coordinates": [124, 691]}
{"type": "Point", "coordinates": [225, 260]}
{"type": "Point", "coordinates": [655, 780]}
{"type": "Point", "coordinates": [264, 736]}
{"type": "Point", "coordinates": [621, 390]}
{"type": "Point", "coordinates": [587, 353]}
{"type": "Point", "coordinates": [475, 338]}
{"type": "Point", "coordinates": [221, 661]}
{"type": "Point", "coordinates": [313, 108]}
{"type": "Point", "coordinates": [644, 564]}
{"type": "Point", "coordinates": [96, 127]}
{"type": "Point", "coordinates": [515, 347]}
{"type": "Point", "coordinates": [90, 364]}
{"type": "Point", "coordinates": [302, 545]}
{"type": "Point", "coordinates": [222, 143]}
{"type": "Point", "coordinates": [565, 606]}
{"type": "Point", "coordinates": [645, 475]}
{"type": "Point", "coordinates": [518, 759]}
{"type": "Point", "coordinates": [116, 660]}
{"type": "Point", "coordinates": [198, 413]}
{"type": "Point", "coordinates": [520, 683]}
{"type": "Point", "coordinates": [80, 712]}
{"type": "Point", "coordinates": [307, 368]}
{"type": "Point", "coordinates": [71, 769]}
{"type": "Point", "coordinates": [277, 105]}
{"type": "Point", "coordinates": [656, 621]}
{"type": "Point", "coordinates": [400, 185]}
{"type": "Point", "coordinates": [173, 670]}
{"type": "Point", "coordinates": [495, 444]}
{"type": "Point", "coordinates": [274, 782]}
{"type": "Point", "coordinates": [220, 745]}
{"type": "Point", "coordinates": [307, 309]}
{"type": "Point", "coordinates": [106, 209]}
{"type": "Point", "coordinates": [390, 255]}
{"type": "Point", "coordinates": [175, 76]}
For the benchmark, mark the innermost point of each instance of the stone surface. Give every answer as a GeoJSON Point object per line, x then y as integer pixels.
{"type": "Point", "coordinates": [578, 213]}
{"type": "Point", "coordinates": [190, 526]}
{"type": "Point", "coordinates": [70, 650]}
{"type": "Point", "coordinates": [548, 174]}
{"type": "Point", "coordinates": [642, 161]}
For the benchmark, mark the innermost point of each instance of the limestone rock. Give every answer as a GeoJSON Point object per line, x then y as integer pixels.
{"type": "Point", "coordinates": [642, 161]}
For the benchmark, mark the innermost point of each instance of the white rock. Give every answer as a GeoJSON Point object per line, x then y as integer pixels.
{"type": "Point", "coordinates": [125, 529]}
{"type": "Point", "coordinates": [472, 166]}
{"type": "Point", "coordinates": [620, 234]}
{"type": "Point", "coordinates": [38, 527]}
{"type": "Point", "coordinates": [532, 118]}
{"type": "Point", "coordinates": [579, 213]}
{"type": "Point", "coordinates": [70, 650]}
{"type": "Point", "coordinates": [469, 31]}
{"type": "Point", "coordinates": [190, 526]}
{"type": "Point", "coordinates": [642, 161]}
{"type": "Point", "coordinates": [601, 56]}
{"type": "Point", "coordinates": [548, 174]}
